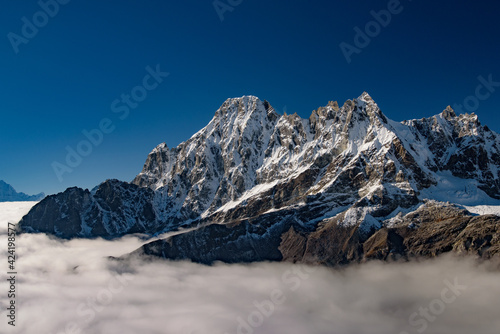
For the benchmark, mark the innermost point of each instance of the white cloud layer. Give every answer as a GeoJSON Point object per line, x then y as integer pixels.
{"type": "Point", "coordinates": [71, 287]}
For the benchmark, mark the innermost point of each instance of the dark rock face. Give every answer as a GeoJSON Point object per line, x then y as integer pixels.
{"type": "Point", "coordinates": [242, 242]}
{"type": "Point", "coordinates": [293, 245]}
{"type": "Point", "coordinates": [255, 185]}
{"type": "Point", "coordinates": [9, 194]}
{"type": "Point", "coordinates": [52, 217]}
{"type": "Point", "coordinates": [113, 209]}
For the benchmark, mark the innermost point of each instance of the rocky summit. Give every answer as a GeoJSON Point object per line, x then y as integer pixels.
{"type": "Point", "coordinates": [346, 184]}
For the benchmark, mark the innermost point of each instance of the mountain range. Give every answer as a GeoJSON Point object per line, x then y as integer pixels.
{"type": "Point", "coordinates": [346, 184]}
{"type": "Point", "coordinates": [9, 194]}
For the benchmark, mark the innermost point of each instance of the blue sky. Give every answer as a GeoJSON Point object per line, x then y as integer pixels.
{"type": "Point", "coordinates": [64, 79]}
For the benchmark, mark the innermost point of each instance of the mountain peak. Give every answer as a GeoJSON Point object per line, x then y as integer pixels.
{"type": "Point", "coordinates": [365, 97]}
{"type": "Point", "coordinates": [334, 105]}
{"type": "Point", "coordinates": [9, 194]}
{"type": "Point", "coordinates": [448, 113]}
{"type": "Point", "coordinates": [244, 106]}
{"type": "Point", "coordinates": [160, 148]}
{"type": "Point", "coordinates": [242, 99]}
{"type": "Point", "coordinates": [366, 104]}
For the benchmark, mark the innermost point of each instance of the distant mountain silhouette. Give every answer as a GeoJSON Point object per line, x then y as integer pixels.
{"type": "Point", "coordinates": [9, 194]}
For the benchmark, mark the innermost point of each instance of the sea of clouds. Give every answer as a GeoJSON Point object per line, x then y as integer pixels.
{"type": "Point", "coordinates": [73, 287]}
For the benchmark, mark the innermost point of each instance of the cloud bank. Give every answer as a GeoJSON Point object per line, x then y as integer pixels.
{"type": "Point", "coordinates": [72, 287]}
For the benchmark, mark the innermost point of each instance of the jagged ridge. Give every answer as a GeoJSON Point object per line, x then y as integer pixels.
{"type": "Point", "coordinates": [259, 174]}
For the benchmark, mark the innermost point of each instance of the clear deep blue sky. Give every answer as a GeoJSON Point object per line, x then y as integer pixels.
{"type": "Point", "coordinates": [64, 79]}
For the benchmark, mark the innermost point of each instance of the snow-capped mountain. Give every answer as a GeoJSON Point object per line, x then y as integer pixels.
{"type": "Point", "coordinates": [251, 176]}
{"type": "Point", "coordinates": [9, 194]}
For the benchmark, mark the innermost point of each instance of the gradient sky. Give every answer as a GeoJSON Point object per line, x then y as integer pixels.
{"type": "Point", "coordinates": [64, 79]}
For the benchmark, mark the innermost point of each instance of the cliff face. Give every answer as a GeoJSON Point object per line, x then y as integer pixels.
{"type": "Point", "coordinates": [256, 185]}
{"type": "Point", "coordinates": [432, 229]}
{"type": "Point", "coordinates": [113, 209]}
